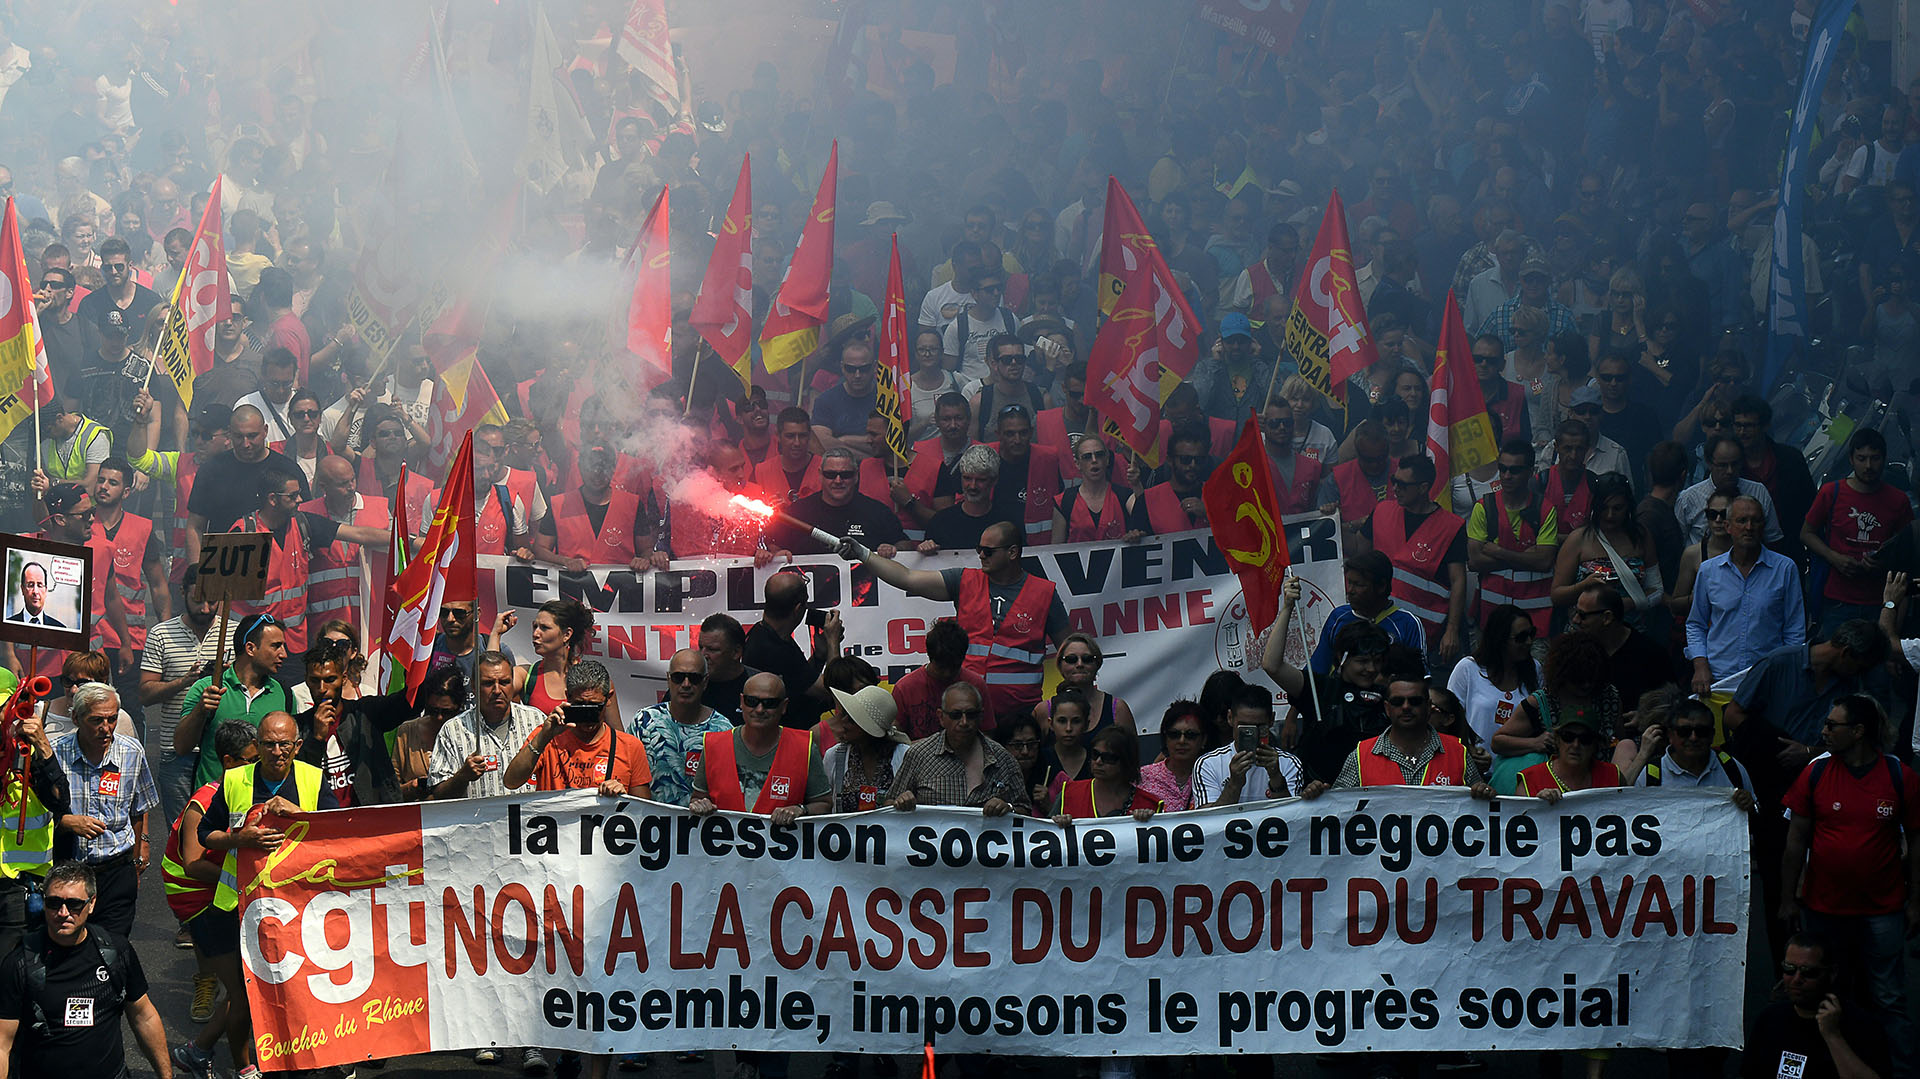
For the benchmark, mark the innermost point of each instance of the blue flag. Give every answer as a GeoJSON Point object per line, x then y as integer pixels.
{"type": "Point", "coordinates": [1787, 282]}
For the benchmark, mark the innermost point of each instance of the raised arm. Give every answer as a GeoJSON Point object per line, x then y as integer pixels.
{"type": "Point", "coordinates": [925, 583]}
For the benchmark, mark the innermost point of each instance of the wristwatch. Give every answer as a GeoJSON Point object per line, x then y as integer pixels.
{"type": "Point", "coordinates": [1887, 605]}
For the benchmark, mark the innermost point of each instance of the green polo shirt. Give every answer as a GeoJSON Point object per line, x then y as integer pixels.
{"type": "Point", "coordinates": [273, 697]}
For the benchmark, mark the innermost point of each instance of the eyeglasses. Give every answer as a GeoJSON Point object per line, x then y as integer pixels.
{"type": "Point", "coordinates": [1787, 970]}
{"type": "Point", "coordinates": [1609, 378]}
{"type": "Point", "coordinates": [63, 904]}
{"type": "Point", "coordinates": [962, 713]}
{"type": "Point", "coordinates": [983, 550]}
{"type": "Point", "coordinates": [1684, 733]}
{"type": "Point", "coordinates": [1023, 743]}
{"type": "Point", "coordinates": [1188, 458]}
{"type": "Point", "coordinates": [1010, 358]}
{"type": "Point", "coordinates": [988, 286]}
{"type": "Point", "coordinates": [278, 746]}
{"type": "Point", "coordinates": [1185, 734]}
{"type": "Point", "coordinates": [1578, 615]}
{"type": "Point", "coordinates": [1525, 636]}
{"type": "Point", "coordinates": [1477, 358]}
{"type": "Point", "coordinates": [837, 475]}
{"type": "Point", "coordinates": [1096, 455]}
{"type": "Point", "coordinates": [1407, 485]}
{"type": "Point", "coordinates": [750, 701]}
{"type": "Point", "coordinates": [1079, 660]}
{"type": "Point", "coordinates": [1275, 421]}
{"type": "Point", "coordinates": [457, 614]}
{"type": "Point", "coordinates": [1716, 515]}
{"type": "Point", "coordinates": [1101, 756]}
{"type": "Point", "coordinates": [440, 713]}
{"type": "Point", "coordinates": [686, 678]}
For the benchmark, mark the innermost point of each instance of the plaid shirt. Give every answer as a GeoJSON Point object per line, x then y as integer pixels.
{"type": "Point", "coordinates": [113, 792]}
{"type": "Point", "coordinates": [1411, 767]}
{"type": "Point", "coordinates": [937, 776]}
{"type": "Point", "coordinates": [1559, 321]}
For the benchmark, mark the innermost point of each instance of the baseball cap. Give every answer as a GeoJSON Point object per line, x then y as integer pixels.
{"type": "Point", "coordinates": [1534, 264]}
{"type": "Point", "coordinates": [1585, 395]}
{"type": "Point", "coordinates": [62, 497]}
{"type": "Point", "coordinates": [1235, 324]}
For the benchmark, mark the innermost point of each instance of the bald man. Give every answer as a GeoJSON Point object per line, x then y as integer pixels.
{"type": "Point", "coordinates": [227, 487]}
{"type": "Point", "coordinates": [333, 581]}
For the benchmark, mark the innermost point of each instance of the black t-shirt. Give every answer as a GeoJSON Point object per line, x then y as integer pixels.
{"type": "Point", "coordinates": [1337, 717]}
{"type": "Point", "coordinates": [1639, 665]}
{"type": "Point", "coordinates": [67, 346]}
{"type": "Point", "coordinates": [1785, 1043]}
{"type": "Point", "coordinates": [227, 488]}
{"type": "Point", "coordinates": [98, 302]}
{"type": "Point", "coordinates": [226, 383]}
{"type": "Point", "coordinates": [1637, 429]}
{"type": "Point", "coordinates": [776, 653]}
{"type": "Point", "coordinates": [865, 519]}
{"type": "Point", "coordinates": [724, 696]}
{"type": "Point", "coordinates": [81, 1003]}
{"type": "Point", "coordinates": [952, 529]}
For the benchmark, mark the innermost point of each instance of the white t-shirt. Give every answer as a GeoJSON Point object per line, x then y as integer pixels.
{"type": "Point", "coordinates": [942, 305]}
{"type": "Point", "coordinates": [1485, 706]}
{"type": "Point", "coordinates": [973, 351]}
{"type": "Point", "coordinates": [1883, 160]}
{"type": "Point", "coordinates": [1210, 774]}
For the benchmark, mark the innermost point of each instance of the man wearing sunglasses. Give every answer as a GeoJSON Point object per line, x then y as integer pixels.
{"type": "Point", "coordinates": [1512, 539]}
{"type": "Point", "coordinates": [1635, 665]}
{"type": "Point", "coordinates": [1006, 385]}
{"type": "Point", "coordinates": [840, 411]}
{"type": "Point", "coordinates": [840, 509]}
{"type": "Point", "coordinates": [1009, 614]}
{"type": "Point", "coordinates": [62, 998]}
{"type": "Point", "coordinates": [674, 731]}
{"type": "Point", "coordinates": [1688, 759]}
{"type": "Point", "coordinates": [60, 327]}
{"type": "Point", "coordinates": [122, 292]}
{"type": "Point", "coordinates": [1428, 547]}
{"type": "Point", "coordinates": [966, 341]}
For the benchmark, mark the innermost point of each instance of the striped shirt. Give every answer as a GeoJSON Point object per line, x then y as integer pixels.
{"type": "Point", "coordinates": [457, 741]}
{"type": "Point", "coordinates": [112, 792]}
{"type": "Point", "coordinates": [173, 651]}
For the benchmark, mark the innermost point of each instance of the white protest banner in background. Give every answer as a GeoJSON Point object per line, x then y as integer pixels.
{"type": "Point", "coordinates": [1167, 610]}
{"type": "Point", "coordinates": [1395, 919]}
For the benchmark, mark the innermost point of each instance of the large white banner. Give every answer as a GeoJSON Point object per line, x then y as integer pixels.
{"type": "Point", "coordinates": [1166, 610]}
{"type": "Point", "coordinates": [1390, 919]}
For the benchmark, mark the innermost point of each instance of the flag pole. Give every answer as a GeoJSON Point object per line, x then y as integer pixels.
{"type": "Point", "coordinates": [1273, 379]}
{"type": "Point", "coordinates": [153, 350]}
{"type": "Point", "coordinates": [693, 376]}
{"type": "Point", "coordinates": [1313, 691]}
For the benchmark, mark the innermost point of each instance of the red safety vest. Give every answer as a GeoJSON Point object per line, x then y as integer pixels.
{"type": "Point", "coordinates": [786, 783]}
{"type": "Point", "coordinates": [1357, 495]}
{"type": "Point", "coordinates": [1448, 768]}
{"type": "Point", "coordinates": [490, 527]}
{"type": "Point", "coordinates": [1419, 578]}
{"type": "Point", "coordinates": [574, 534]}
{"type": "Point", "coordinates": [1571, 507]}
{"type": "Point", "coordinates": [1264, 287]}
{"type": "Point", "coordinates": [187, 896]}
{"type": "Point", "coordinates": [1076, 801]}
{"type": "Point", "coordinates": [1222, 435]}
{"type": "Point", "coordinates": [1528, 590]}
{"type": "Point", "coordinates": [1165, 515]}
{"type": "Point", "coordinates": [333, 581]}
{"type": "Point", "coordinates": [1299, 498]}
{"type": "Point", "coordinates": [126, 554]}
{"type": "Point", "coordinates": [771, 475]}
{"type": "Point", "coordinates": [877, 485]}
{"type": "Point", "coordinates": [1008, 657]}
{"type": "Point", "coordinates": [923, 475]}
{"type": "Point", "coordinates": [1542, 777]}
{"type": "Point", "coordinates": [419, 489]}
{"type": "Point", "coordinates": [1111, 524]}
{"type": "Point", "coordinates": [1040, 488]}
{"type": "Point", "coordinates": [288, 564]}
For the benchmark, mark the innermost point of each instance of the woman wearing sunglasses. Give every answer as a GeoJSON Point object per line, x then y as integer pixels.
{"type": "Point", "coordinates": [1096, 509]}
{"type": "Point", "coordinates": [1114, 789]}
{"type": "Point", "coordinates": [1183, 737]}
{"type": "Point", "coordinates": [1717, 541]}
{"type": "Point", "coordinates": [1080, 659]}
{"type": "Point", "coordinates": [1575, 685]}
{"type": "Point", "coordinates": [1576, 742]}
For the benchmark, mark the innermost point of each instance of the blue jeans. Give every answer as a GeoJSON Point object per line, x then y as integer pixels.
{"type": "Point", "coordinates": [1832, 614]}
{"type": "Point", "coordinates": [1876, 945]}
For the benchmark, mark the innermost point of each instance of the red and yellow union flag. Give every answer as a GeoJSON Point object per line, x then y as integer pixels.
{"type": "Point", "coordinates": [893, 388]}
{"type": "Point", "coordinates": [1243, 509]}
{"type": "Point", "coordinates": [1327, 330]}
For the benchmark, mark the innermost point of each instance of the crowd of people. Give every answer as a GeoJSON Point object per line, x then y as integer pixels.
{"type": "Point", "coordinates": [1648, 587]}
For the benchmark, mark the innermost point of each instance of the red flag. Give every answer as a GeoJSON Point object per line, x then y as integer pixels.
{"type": "Point", "coordinates": [446, 556]}
{"type": "Point", "coordinates": [204, 293]}
{"type": "Point", "coordinates": [24, 380]}
{"type": "Point", "coordinates": [895, 347]}
{"type": "Point", "coordinates": [1327, 331]}
{"type": "Point", "coordinates": [1124, 366]}
{"type": "Point", "coordinates": [800, 310]}
{"type": "Point", "coordinates": [645, 48]}
{"type": "Point", "coordinates": [723, 313]}
{"type": "Point", "coordinates": [928, 1070]}
{"type": "Point", "coordinates": [1243, 509]}
{"type": "Point", "coordinates": [1125, 245]}
{"type": "Point", "coordinates": [650, 312]}
{"type": "Point", "coordinates": [1459, 435]}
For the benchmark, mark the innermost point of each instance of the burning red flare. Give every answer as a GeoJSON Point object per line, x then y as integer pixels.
{"type": "Point", "coordinates": [753, 506]}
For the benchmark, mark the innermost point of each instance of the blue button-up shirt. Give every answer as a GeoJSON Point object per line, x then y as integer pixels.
{"type": "Point", "coordinates": [1738, 618]}
{"type": "Point", "coordinates": [114, 802]}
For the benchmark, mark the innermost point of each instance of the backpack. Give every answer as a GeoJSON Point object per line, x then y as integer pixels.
{"type": "Point", "coordinates": [34, 953]}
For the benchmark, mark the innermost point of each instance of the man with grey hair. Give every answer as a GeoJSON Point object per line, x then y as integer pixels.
{"type": "Point", "coordinates": [110, 791]}
{"type": "Point", "coordinates": [577, 748]}
{"type": "Point", "coordinates": [673, 730]}
{"type": "Point", "coordinates": [840, 508]}
{"type": "Point", "coordinates": [474, 747]}
{"type": "Point", "coordinates": [958, 527]}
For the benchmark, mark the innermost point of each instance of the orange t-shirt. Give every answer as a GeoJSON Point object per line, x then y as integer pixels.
{"type": "Point", "coordinates": [571, 764]}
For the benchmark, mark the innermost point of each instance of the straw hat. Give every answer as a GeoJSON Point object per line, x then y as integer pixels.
{"type": "Point", "coordinates": [872, 708]}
